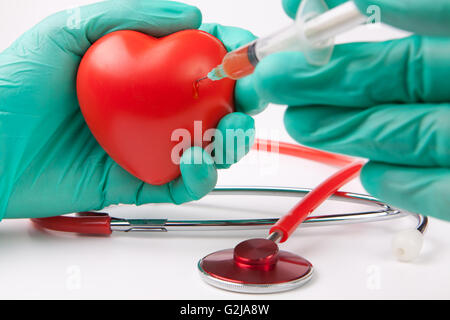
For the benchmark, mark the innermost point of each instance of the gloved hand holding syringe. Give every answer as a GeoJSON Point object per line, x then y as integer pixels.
{"type": "Point", "coordinates": [312, 33]}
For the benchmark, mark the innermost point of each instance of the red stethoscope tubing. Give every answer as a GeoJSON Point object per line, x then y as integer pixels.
{"type": "Point", "coordinates": [287, 224]}
{"type": "Point", "coordinates": [303, 152]}
{"type": "Point", "coordinates": [100, 223]}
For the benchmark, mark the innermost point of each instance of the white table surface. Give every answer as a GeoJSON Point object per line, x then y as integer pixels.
{"type": "Point", "coordinates": [352, 261]}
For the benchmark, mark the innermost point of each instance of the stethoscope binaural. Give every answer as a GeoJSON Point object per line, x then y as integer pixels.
{"type": "Point", "coordinates": [257, 265]}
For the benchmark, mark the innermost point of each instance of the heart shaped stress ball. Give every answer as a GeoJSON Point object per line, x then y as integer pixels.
{"type": "Point", "coordinates": [135, 90]}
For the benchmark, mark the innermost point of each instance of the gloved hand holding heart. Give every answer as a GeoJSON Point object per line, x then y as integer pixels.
{"type": "Point", "coordinates": [135, 90]}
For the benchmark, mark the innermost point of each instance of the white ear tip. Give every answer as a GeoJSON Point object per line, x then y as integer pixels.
{"type": "Point", "coordinates": [407, 244]}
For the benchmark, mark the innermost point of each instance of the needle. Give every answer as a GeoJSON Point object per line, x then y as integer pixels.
{"type": "Point", "coordinates": [196, 87]}
{"type": "Point", "coordinates": [201, 79]}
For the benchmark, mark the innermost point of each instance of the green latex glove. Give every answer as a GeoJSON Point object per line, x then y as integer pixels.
{"type": "Point", "coordinates": [50, 163]}
{"type": "Point", "coordinates": [387, 101]}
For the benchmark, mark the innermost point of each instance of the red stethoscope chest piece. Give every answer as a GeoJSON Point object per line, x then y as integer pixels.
{"type": "Point", "coordinates": [255, 266]}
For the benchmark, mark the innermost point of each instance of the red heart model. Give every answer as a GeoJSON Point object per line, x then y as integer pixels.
{"type": "Point", "coordinates": [134, 90]}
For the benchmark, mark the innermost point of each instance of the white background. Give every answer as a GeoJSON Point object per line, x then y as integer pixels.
{"type": "Point", "coordinates": [350, 262]}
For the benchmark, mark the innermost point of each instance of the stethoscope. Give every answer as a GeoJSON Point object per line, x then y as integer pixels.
{"type": "Point", "coordinates": [257, 265]}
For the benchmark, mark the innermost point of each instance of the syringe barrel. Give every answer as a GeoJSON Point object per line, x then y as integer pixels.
{"type": "Point", "coordinates": [237, 64]}
{"type": "Point", "coordinates": [312, 33]}
{"type": "Point", "coordinates": [314, 30]}
{"type": "Point", "coordinates": [288, 39]}
{"type": "Point", "coordinates": [333, 22]}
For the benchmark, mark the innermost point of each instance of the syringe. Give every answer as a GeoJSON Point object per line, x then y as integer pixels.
{"type": "Point", "coordinates": [312, 33]}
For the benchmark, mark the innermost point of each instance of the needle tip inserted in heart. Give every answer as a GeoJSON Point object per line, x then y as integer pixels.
{"type": "Point", "coordinates": [197, 87]}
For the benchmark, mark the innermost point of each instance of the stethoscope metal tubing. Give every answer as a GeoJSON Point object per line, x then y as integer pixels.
{"type": "Point", "coordinates": [163, 225]}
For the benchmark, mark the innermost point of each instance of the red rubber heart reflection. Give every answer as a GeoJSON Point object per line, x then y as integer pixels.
{"type": "Point", "coordinates": [134, 90]}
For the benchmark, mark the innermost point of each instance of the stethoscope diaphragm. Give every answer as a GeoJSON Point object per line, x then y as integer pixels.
{"type": "Point", "coordinates": [255, 266]}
